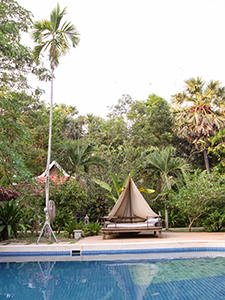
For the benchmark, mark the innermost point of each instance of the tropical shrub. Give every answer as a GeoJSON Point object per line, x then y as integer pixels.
{"type": "Point", "coordinates": [175, 216]}
{"type": "Point", "coordinates": [91, 229]}
{"type": "Point", "coordinates": [31, 220]}
{"type": "Point", "coordinates": [201, 194]}
{"type": "Point", "coordinates": [70, 227]}
{"type": "Point", "coordinates": [98, 206]}
{"type": "Point", "coordinates": [10, 219]}
{"type": "Point", "coordinates": [70, 200]}
{"type": "Point", "coordinates": [215, 220]}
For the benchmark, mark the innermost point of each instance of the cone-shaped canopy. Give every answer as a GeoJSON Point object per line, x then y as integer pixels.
{"type": "Point", "coordinates": [131, 203]}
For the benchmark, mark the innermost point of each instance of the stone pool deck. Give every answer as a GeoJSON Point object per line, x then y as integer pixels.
{"type": "Point", "coordinates": [169, 240]}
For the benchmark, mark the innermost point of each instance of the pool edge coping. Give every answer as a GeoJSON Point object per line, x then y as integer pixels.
{"type": "Point", "coordinates": [112, 252]}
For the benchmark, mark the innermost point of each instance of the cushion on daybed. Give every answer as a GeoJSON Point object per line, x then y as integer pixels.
{"type": "Point", "coordinates": [152, 221]}
{"type": "Point", "coordinates": [127, 225]}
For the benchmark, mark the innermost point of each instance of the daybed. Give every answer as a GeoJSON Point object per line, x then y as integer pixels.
{"type": "Point", "coordinates": [131, 213]}
{"type": "Point", "coordinates": [151, 225]}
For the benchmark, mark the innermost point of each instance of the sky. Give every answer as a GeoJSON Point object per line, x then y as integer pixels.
{"type": "Point", "coordinates": [134, 47]}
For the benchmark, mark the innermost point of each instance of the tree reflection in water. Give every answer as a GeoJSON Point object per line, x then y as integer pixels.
{"type": "Point", "coordinates": [110, 280]}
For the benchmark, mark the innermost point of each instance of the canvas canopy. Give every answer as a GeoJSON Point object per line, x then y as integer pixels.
{"type": "Point", "coordinates": [131, 203]}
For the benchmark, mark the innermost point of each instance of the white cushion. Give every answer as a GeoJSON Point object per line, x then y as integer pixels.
{"type": "Point", "coordinates": [152, 221]}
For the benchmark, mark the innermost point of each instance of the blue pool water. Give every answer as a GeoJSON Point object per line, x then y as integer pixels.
{"type": "Point", "coordinates": [202, 278]}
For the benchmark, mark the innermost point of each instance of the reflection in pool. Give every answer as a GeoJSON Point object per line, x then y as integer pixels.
{"type": "Point", "coordinates": [201, 278]}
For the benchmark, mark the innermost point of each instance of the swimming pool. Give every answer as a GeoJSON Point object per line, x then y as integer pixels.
{"type": "Point", "coordinates": [130, 279]}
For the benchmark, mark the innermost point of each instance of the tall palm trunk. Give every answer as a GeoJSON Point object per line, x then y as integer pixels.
{"type": "Point", "coordinates": [206, 159]}
{"type": "Point", "coordinates": [47, 229]}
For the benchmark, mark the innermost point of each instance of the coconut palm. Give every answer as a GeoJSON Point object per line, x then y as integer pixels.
{"type": "Point", "coordinates": [54, 37]}
{"type": "Point", "coordinates": [170, 168]}
{"type": "Point", "coordinates": [199, 113]}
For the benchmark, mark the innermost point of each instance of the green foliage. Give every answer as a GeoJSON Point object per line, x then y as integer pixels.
{"type": "Point", "coordinates": [71, 226]}
{"type": "Point", "coordinates": [30, 220]}
{"type": "Point", "coordinates": [198, 113]}
{"type": "Point", "coordinates": [78, 155]}
{"type": "Point", "coordinates": [117, 186]}
{"type": "Point", "coordinates": [88, 230]}
{"type": "Point", "coordinates": [54, 36]}
{"type": "Point", "coordinates": [91, 229]}
{"type": "Point", "coordinates": [15, 59]}
{"type": "Point", "coordinates": [34, 115]}
{"type": "Point", "coordinates": [125, 139]}
{"type": "Point", "coordinates": [115, 130]}
{"type": "Point", "coordinates": [16, 62]}
{"type": "Point", "coordinates": [98, 204]}
{"type": "Point", "coordinates": [170, 168]}
{"type": "Point", "coordinates": [176, 218]}
{"type": "Point", "coordinates": [199, 196]}
{"type": "Point", "coordinates": [151, 122]}
{"type": "Point", "coordinates": [214, 219]}
{"type": "Point", "coordinates": [217, 148]}
{"type": "Point", "coordinates": [13, 140]}
{"type": "Point", "coordinates": [138, 123]}
{"type": "Point", "coordinates": [10, 216]}
{"type": "Point", "coordinates": [71, 202]}
{"type": "Point", "coordinates": [70, 198]}
{"type": "Point", "coordinates": [94, 129]}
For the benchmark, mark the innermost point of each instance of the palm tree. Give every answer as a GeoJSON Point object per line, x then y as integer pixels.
{"type": "Point", "coordinates": [202, 116]}
{"type": "Point", "coordinates": [76, 156]}
{"type": "Point", "coordinates": [170, 168]}
{"type": "Point", "coordinates": [49, 35]}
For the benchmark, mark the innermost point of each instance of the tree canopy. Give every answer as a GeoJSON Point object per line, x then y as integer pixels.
{"type": "Point", "coordinates": [203, 115]}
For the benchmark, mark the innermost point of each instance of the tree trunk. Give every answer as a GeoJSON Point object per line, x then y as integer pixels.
{"type": "Point", "coordinates": [47, 229]}
{"type": "Point", "coordinates": [190, 225]}
{"type": "Point", "coordinates": [192, 221]}
{"type": "Point", "coordinates": [166, 217]}
{"type": "Point", "coordinates": [206, 159]}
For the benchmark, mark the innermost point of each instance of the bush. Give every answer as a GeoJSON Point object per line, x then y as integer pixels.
{"type": "Point", "coordinates": [215, 220]}
{"type": "Point", "coordinates": [70, 199]}
{"type": "Point", "coordinates": [91, 229]}
{"type": "Point", "coordinates": [70, 227]}
{"type": "Point", "coordinates": [10, 216]}
{"type": "Point", "coordinates": [30, 220]}
{"type": "Point", "coordinates": [200, 196]}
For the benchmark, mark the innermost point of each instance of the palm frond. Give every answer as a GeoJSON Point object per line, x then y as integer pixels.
{"type": "Point", "coordinates": [55, 38]}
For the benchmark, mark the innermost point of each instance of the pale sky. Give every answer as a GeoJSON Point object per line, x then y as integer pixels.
{"type": "Point", "coordinates": [134, 47]}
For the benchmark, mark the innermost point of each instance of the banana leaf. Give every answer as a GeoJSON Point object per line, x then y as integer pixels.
{"type": "Point", "coordinates": [102, 184]}
{"type": "Point", "coordinates": [116, 183]}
